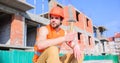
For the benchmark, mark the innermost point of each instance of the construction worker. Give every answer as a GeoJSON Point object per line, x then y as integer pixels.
{"type": "Point", "coordinates": [51, 37]}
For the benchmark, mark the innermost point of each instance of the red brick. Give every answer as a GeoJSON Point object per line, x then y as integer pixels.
{"type": "Point", "coordinates": [16, 34]}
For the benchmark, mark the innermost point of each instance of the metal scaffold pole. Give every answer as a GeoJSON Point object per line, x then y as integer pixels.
{"type": "Point", "coordinates": [35, 6]}
{"type": "Point", "coordinates": [43, 7]}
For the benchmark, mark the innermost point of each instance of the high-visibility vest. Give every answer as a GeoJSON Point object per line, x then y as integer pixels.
{"type": "Point", "coordinates": [51, 34]}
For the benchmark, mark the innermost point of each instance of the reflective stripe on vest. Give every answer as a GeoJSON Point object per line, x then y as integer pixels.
{"type": "Point", "coordinates": [37, 53]}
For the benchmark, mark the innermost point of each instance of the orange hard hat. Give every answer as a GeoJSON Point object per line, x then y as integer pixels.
{"type": "Point", "coordinates": [57, 11]}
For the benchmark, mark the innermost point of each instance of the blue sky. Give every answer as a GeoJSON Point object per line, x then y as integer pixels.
{"type": "Point", "coordinates": [102, 12]}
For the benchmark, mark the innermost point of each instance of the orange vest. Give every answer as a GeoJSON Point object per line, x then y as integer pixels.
{"type": "Point", "coordinates": [51, 34]}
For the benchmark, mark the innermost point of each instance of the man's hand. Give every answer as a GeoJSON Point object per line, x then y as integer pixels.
{"type": "Point", "coordinates": [73, 42]}
{"type": "Point", "coordinates": [77, 52]}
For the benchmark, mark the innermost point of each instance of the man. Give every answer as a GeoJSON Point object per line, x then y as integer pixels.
{"type": "Point", "coordinates": [51, 37]}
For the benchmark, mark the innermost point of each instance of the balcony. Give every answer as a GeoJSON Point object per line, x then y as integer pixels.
{"type": "Point", "coordinates": [17, 4]}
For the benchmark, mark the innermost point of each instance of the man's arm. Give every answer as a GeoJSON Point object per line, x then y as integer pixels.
{"type": "Point", "coordinates": [43, 42]}
{"type": "Point", "coordinates": [76, 48]}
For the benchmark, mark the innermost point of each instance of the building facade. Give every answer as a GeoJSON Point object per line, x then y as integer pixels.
{"type": "Point", "coordinates": [19, 28]}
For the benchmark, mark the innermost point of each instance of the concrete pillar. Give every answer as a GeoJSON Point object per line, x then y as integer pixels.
{"type": "Point", "coordinates": [98, 33]}
{"type": "Point", "coordinates": [17, 31]}
{"type": "Point", "coordinates": [22, 0]}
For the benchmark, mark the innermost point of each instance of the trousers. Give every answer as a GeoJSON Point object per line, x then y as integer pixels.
{"type": "Point", "coordinates": [51, 55]}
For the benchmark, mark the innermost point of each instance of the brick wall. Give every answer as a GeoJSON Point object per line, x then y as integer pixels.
{"type": "Point", "coordinates": [89, 27]}
{"type": "Point", "coordinates": [84, 24]}
{"type": "Point", "coordinates": [16, 33]}
{"type": "Point", "coordinates": [80, 22]}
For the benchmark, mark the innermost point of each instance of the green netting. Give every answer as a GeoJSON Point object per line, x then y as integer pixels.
{"type": "Point", "coordinates": [21, 56]}
{"type": "Point", "coordinates": [4, 56]}
{"type": "Point", "coordinates": [15, 56]}
{"type": "Point", "coordinates": [114, 58]}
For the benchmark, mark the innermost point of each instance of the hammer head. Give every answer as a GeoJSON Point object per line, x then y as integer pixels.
{"type": "Point", "coordinates": [71, 18]}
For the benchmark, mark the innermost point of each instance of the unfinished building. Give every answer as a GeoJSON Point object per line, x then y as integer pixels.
{"type": "Point", "coordinates": [19, 28]}
{"type": "Point", "coordinates": [100, 40]}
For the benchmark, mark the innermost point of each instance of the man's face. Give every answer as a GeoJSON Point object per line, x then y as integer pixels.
{"type": "Point", "coordinates": [55, 21]}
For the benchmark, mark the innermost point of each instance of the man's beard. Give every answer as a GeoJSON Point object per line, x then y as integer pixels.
{"type": "Point", "coordinates": [57, 25]}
